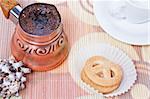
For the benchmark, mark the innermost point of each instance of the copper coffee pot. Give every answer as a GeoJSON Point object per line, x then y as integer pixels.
{"type": "Point", "coordinates": [40, 53]}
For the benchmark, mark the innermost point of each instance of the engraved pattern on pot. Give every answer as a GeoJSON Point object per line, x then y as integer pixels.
{"type": "Point", "coordinates": [43, 50]}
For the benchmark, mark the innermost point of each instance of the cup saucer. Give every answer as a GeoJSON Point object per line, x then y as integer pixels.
{"type": "Point", "coordinates": [136, 34]}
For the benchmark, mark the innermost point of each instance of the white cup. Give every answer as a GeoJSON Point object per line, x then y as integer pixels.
{"type": "Point", "coordinates": [137, 11]}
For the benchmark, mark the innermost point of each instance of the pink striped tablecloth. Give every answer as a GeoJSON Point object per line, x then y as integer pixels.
{"type": "Point", "coordinates": [79, 20]}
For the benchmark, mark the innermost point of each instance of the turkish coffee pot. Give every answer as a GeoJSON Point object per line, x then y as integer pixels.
{"type": "Point", "coordinates": [39, 39]}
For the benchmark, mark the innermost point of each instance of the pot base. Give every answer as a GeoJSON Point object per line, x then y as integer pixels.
{"type": "Point", "coordinates": [45, 68]}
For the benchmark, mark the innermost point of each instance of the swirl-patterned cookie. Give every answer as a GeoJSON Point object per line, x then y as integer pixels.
{"type": "Point", "coordinates": [102, 74]}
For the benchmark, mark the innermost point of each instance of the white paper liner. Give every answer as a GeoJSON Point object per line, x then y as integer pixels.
{"type": "Point", "coordinates": [79, 54]}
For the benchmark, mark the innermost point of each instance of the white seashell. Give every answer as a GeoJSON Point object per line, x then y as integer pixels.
{"type": "Point", "coordinates": [11, 77]}
{"type": "Point", "coordinates": [17, 65]}
{"type": "Point", "coordinates": [14, 81]}
{"type": "Point", "coordinates": [6, 83]}
{"type": "Point", "coordinates": [23, 79]}
{"type": "Point", "coordinates": [14, 87]}
{"type": "Point", "coordinates": [18, 75]}
{"type": "Point", "coordinates": [1, 65]}
{"type": "Point", "coordinates": [22, 86]}
{"type": "Point", "coordinates": [5, 69]}
{"type": "Point", "coordinates": [11, 61]}
{"type": "Point", "coordinates": [17, 94]}
{"type": "Point", "coordinates": [25, 70]}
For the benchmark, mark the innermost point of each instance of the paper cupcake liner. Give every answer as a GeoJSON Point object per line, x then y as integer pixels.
{"type": "Point", "coordinates": [79, 55]}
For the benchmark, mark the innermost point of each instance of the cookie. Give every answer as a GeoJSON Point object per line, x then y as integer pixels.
{"type": "Point", "coordinates": [101, 89]}
{"type": "Point", "coordinates": [102, 74]}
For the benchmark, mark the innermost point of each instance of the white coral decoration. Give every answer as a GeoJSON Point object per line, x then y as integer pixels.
{"type": "Point", "coordinates": [12, 77]}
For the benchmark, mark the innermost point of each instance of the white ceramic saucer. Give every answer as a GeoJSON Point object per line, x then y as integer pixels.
{"type": "Point", "coordinates": [136, 34]}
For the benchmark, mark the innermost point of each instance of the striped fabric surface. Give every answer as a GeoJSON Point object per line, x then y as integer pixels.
{"type": "Point", "coordinates": [79, 20]}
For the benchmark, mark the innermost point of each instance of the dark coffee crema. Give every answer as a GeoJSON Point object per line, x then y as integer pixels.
{"type": "Point", "coordinates": [40, 19]}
